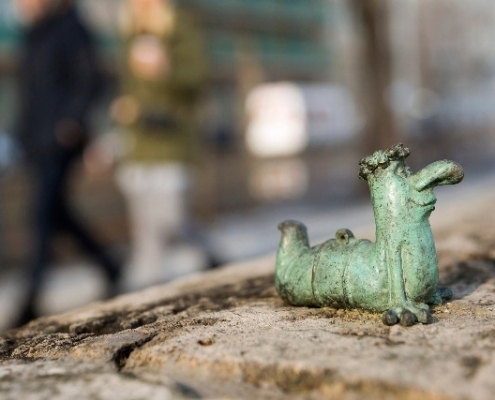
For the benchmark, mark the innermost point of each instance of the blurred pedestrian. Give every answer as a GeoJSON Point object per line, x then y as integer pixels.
{"type": "Point", "coordinates": [58, 81]}
{"type": "Point", "coordinates": [162, 78]}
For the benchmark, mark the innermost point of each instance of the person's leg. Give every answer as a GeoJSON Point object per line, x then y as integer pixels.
{"type": "Point", "coordinates": [49, 179]}
{"type": "Point", "coordinates": [172, 211]}
{"type": "Point", "coordinates": [67, 221]}
{"type": "Point", "coordinates": [137, 183]}
{"type": "Point", "coordinates": [70, 223]}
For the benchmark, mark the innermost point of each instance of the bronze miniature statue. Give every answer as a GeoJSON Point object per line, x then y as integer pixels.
{"type": "Point", "coordinates": [396, 275]}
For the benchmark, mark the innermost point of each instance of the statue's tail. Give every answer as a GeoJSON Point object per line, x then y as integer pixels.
{"type": "Point", "coordinates": [293, 267]}
{"type": "Point", "coordinates": [294, 236]}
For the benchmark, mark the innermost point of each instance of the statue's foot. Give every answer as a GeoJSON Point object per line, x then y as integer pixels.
{"type": "Point", "coordinates": [442, 294]}
{"type": "Point", "coordinates": [407, 316]}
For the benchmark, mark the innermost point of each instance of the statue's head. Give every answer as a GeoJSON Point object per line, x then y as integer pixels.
{"type": "Point", "coordinates": [393, 184]}
{"type": "Point", "coordinates": [381, 160]}
{"type": "Point", "coordinates": [147, 17]}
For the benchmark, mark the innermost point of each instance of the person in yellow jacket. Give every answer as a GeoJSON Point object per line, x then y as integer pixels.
{"type": "Point", "coordinates": [163, 76]}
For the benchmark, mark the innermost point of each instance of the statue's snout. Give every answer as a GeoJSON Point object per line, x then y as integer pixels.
{"type": "Point", "coordinates": [444, 172]}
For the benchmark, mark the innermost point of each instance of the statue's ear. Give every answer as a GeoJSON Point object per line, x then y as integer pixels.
{"type": "Point", "coordinates": [439, 173]}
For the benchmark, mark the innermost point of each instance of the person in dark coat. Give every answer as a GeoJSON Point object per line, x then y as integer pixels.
{"type": "Point", "coordinates": [58, 81]}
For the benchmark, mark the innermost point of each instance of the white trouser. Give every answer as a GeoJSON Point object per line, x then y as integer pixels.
{"type": "Point", "coordinates": [157, 202]}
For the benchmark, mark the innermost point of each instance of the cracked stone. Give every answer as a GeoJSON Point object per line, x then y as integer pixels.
{"type": "Point", "coordinates": [226, 334]}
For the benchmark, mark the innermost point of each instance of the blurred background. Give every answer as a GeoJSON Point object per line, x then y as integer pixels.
{"type": "Point", "coordinates": [298, 91]}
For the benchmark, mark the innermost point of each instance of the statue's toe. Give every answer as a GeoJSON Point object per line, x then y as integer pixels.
{"type": "Point", "coordinates": [407, 318]}
{"type": "Point", "coordinates": [442, 294]}
{"type": "Point", "coordinates": [424, 316]}
{"type": "Point", "coordinates": [390, 317]}
{"type": "Point", "coordinates": [445, 293]}
{"type": "Point", "coordinates": [408, 315]}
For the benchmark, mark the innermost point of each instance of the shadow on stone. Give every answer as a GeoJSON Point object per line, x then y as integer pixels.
{"type": "Point", "coordinates": [465, 277]}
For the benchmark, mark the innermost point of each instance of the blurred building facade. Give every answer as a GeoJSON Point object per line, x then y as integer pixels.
{"type": "Point", "coordinates": [443, 88]}
{"type": "Point", "coordinates": [441, 92]}
{"type": "Point", "coordinates": [247, 43]}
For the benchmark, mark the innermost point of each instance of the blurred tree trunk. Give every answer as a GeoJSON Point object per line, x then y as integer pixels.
{"type": "Point", "coordinates": [372, 18]}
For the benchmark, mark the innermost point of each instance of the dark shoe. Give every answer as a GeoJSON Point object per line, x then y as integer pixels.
{"type": "Point", "coordinates": [114, 284]}
{"type": "Point", "coordinates": [113, 289]}
{"type": "Point", "coordinates": [26, 315]}
{"type": "Point", "coordinates": [213, 262]}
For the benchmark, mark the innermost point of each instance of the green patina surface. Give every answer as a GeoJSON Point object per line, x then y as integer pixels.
{"type": "Point", "coordinates": [398, 274]}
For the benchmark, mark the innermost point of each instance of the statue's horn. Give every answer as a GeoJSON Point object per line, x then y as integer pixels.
{"type": "Point", "coordinates": [439, 173]}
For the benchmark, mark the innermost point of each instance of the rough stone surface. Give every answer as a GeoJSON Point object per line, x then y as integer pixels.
{"type": "Point", "coordinates": [226, 334]}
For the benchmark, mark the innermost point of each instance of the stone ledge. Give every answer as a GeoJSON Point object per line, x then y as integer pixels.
{"type": "Point", "coordinates": [226, 334]}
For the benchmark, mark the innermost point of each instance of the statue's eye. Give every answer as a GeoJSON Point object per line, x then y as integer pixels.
{"type": "Point", "coordinates": [403, 171]}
